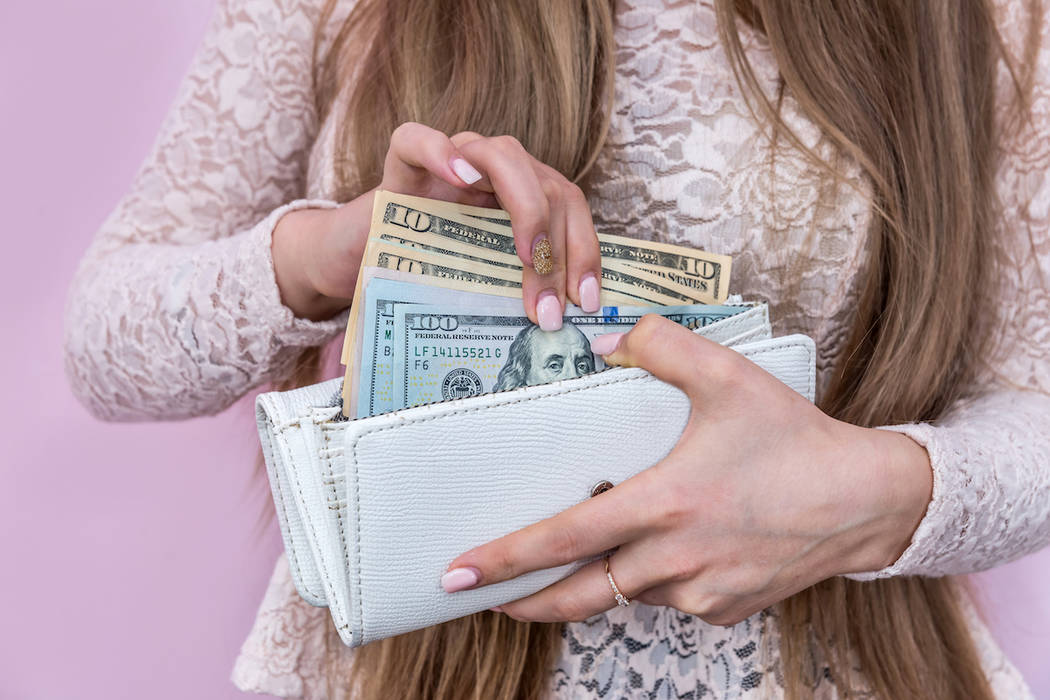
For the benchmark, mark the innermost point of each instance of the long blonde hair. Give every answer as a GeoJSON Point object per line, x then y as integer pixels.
{"type": "Point", "coordinates": [904, 87]}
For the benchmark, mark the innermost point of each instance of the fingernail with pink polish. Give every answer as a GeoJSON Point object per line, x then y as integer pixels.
{"type": "Point", "coordinates": [589, 293]}
{"type": "Point", "coordinates": [496, 609]}
{"type": "Point", "coordinates": [465, 171]}
{"type": "Point", "coordinates": [548, 310]}
{"type": "Point", "coordinates": [606, 344]}
{"type": "Point", "coordinates": [460, 578]}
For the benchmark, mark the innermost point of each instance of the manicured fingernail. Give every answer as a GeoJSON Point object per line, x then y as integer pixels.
{"type": "Point", "coordinates": [466, 172]}
{"type": "Point", "coordinates": [548, 310]}
{"type": "Point", "coordinates": [605, 344]}
{"type": "Point", "coordinates": [589, 293]}
{"type": "Point", "coordinates": [458, 579]}
{"type": "Point", "coordinates": [496, 609]}
{"type": "Point", "coordinates": [542, 255]}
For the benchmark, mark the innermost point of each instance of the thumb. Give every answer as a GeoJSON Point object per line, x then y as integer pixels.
{"type": "Point", "coordinates": [670, 352]}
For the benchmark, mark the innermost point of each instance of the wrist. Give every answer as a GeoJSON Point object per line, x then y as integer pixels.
{"type": "Point", "coordinates": [296, 238]}
{"type": "Point", "coordinates": [900, 480]}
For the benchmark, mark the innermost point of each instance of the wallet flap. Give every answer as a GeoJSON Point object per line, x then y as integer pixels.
{"type": "Point", "coordinates": [425, 484]}
{"type": "Point", "coordinates": [289, 446]}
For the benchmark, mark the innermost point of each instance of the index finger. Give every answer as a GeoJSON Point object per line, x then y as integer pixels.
{"type": "Point", "coordinates": [417, 151]}
{"type": "Point", "coordinates": [586, 529]}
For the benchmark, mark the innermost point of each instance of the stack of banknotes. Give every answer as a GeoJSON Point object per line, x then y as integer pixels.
{"type": "Point", "coordinates": [437, 312]}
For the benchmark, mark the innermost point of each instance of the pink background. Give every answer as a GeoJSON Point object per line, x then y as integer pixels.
{"type": "Point", "coordinates": [108, 592]}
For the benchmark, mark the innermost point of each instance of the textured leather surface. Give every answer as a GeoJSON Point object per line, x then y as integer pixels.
{"type": "Point", "coordinates": [373, 510]}
{"type": "Point", "coordinates": [287, 431]}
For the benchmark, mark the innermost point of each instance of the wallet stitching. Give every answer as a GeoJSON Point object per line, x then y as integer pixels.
{"type": "Point", "coordinates": [310, 524]}
{"type": "Point", "coordinates": [338, 511]}
{"type": "Point", "coordinates": [357, 607]}
{"type": "Point", "coordinates": [284, 509]}
{"type": "Point", "coordinates": [464, 411]}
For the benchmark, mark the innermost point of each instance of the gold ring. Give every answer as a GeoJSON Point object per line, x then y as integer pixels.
{"type": "Point", "coordinates": [621, 599]}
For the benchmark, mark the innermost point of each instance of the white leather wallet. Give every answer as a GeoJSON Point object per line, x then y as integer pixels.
{"type": "Point", "coordinates": [373, 510]}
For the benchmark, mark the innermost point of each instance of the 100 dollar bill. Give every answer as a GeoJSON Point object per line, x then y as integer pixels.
{"type": "Point", "coordinates": [443, 353]}
{"type": "Point", "coordinates": [375, 382]}
{"type": "Point", "coordinates": [373, 388]}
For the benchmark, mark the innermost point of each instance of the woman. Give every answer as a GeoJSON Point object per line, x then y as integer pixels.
{"type": "Point", "coordinates": [878, 170]}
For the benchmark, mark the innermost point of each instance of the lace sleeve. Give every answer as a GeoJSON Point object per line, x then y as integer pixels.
{"type": "Point", "coordinates": [174, 310]}
{"type": "Point", "coordinates": [991, 454]}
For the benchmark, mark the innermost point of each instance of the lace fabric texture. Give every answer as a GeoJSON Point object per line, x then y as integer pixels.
{"type": "Point", "coordinates": [175, 312]}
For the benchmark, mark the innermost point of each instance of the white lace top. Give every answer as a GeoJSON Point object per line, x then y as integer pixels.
{"type": "Point", "coordinates": [174, 311]}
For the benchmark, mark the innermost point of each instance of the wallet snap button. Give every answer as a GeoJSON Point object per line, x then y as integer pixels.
{"type": "Point", "coordinates": [601, 487]}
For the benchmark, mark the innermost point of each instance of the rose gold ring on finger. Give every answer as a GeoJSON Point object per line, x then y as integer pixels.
{"type": "Point", "coordinates": [621, 599]}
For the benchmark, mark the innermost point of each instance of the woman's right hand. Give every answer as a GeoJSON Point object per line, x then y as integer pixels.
{"type": "Point", "coordinates": [317, 252]}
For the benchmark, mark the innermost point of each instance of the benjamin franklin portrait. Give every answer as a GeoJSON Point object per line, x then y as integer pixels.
{"type": "Point", "coordinates": [539, 357]}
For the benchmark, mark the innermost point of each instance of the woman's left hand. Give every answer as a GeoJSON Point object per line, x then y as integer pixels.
{"type": "Point", "coordinates": [763, 496]}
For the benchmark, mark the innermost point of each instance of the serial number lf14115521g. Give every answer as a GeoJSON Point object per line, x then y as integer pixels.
{"type": "Point", "coordinates": [456, 352]}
